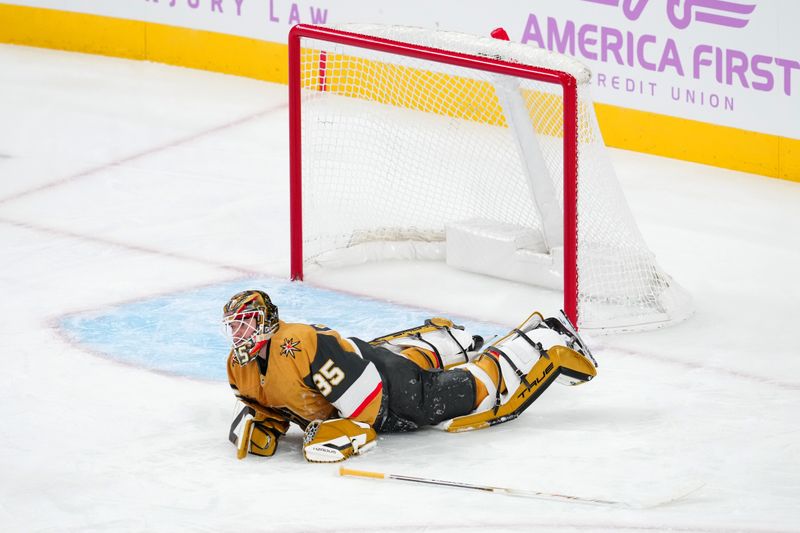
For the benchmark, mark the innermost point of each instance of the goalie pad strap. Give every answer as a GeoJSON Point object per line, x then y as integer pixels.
{"type": "Point", "coordinates": [500, 353]}
{"type": "Point", "coordinates": [439, 362]}
{"type": "Point", "coordinates": [462, 348]}
{"type": "Point", "coordinates": [424, 354]}
{"type": "Point", "coordinates": [536, 346]}
{"type": "Point", "coordinates": [429, 325]}
{"type": "Point", "coordinates": [448, 343]}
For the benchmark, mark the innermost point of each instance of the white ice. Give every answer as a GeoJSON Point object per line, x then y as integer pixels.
{"type": "Point", "coordinates": [123, 180]}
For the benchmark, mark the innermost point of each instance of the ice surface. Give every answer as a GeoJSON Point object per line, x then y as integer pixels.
{"type": "Point", "coordinates": [126, 184]}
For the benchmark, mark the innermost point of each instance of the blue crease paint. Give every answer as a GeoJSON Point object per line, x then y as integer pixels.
{"type": "Point", "coordinates": [181, 333]}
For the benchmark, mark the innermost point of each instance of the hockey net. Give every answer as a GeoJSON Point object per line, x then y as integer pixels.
{"type": "Point", "coordinates": [415, 143]}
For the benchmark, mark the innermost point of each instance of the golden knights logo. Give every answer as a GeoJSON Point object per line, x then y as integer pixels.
{"type": "Point", "coordinates": [289, 347]}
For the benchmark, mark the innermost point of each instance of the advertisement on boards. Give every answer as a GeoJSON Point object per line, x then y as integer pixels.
{"type": "Point", "coordinates": [729, 62]}
{"type": "Point", "coordinates": [735, 63]}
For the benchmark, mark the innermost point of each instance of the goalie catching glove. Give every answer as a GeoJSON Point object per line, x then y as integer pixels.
{"type": "Point", "coordinates": [255, 432]}
{"type": "Point", "coordinates": [331, 441]}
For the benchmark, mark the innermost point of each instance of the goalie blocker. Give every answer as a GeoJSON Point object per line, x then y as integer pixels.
{"type": "Point", "coordinates": [331, 441]}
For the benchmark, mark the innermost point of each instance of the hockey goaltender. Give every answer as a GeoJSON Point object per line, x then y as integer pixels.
{"type": "Point", "coordinates": [342, 391]}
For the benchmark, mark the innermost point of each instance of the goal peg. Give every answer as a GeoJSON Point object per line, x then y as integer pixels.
{"type": "Point", "coordinates": [500, 33]}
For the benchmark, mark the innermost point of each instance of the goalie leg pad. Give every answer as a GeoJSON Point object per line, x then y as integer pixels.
{"type": "Point", "coordinates": [331, 441]}
{"type": "Point", "coordinates": [529, 359]}
{"type": "Point", "coordinates": [485, 387]}
{"type": "Point", "coordinates": [564, 326]}
{"type": "Point", "coordinates": [424, 359]}
{"type": "Point", "coordinates": [512, 404]}
{"type": "Point", "coordinates": [576, 368]}
{"type": "Point", "coordinates": [518, 351]}
{"type": "Point", "coordinates": [559, 362]}
{"type": "Point", "coordinates": [447, 343]}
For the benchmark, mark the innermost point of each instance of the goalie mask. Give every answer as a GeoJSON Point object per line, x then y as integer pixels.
{"type": "Point", "coordinates": [250, 320]}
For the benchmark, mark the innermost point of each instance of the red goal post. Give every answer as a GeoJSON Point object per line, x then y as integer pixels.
{"type": "Point", "coordinates": [563, 79]}
{"type": "Point", "coordinates": [309, 73]}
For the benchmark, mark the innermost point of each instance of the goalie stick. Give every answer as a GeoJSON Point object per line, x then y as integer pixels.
{"type": "Point", "coordinates": [522, 493]}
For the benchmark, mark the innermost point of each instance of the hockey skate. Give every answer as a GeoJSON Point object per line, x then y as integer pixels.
{"type": "Point", "coordinates": [529, 359]}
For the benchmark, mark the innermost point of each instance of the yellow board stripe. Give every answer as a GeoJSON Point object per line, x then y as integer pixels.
{"type": "Point", "coordinates": [229, 54]}
{"type": "Point", "coordinates": [72, 31]}
{"type": "Point", "coordinates": [737, 149]}
{"type": "Point", "coordinates": [184, 47]}
{"type": "Point", "coordinates": [701, 142]}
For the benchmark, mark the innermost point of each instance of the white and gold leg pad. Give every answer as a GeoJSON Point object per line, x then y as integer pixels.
{"type": "Point", "coordinates": [450, 344]}
{"type": "Point", "coordinates": [529, 359]}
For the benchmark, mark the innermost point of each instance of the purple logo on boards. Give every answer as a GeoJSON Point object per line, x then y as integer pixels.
{"type": "Point", "coordinates": [679, 12]}
{"type": "Point", "coordinates": [286, 11]}
{"type": "Point", "coordinates": [717, 65]}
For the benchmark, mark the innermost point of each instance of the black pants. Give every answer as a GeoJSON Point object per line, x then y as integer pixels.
{"type": "Point", "coordinates": [413, 397]}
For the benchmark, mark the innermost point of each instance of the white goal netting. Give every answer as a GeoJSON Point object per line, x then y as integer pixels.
{"type": "Point", "coordinates": [411, 157]}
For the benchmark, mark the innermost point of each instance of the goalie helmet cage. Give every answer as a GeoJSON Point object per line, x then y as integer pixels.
{"type": "Point", "coordinates": [402, 136]}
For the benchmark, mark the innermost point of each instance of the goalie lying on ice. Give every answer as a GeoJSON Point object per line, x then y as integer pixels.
{"type": "Point", "coordinates": [342, 391]}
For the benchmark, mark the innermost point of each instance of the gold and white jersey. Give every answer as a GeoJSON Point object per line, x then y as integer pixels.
{"type": "Point", "coordinates": [310, 373]}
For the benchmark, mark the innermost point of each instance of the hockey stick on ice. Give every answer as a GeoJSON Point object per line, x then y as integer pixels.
{"type": "Point", "coordinates": [521, 493]}
{"type": "Point", "coordinates": [485, 488]}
